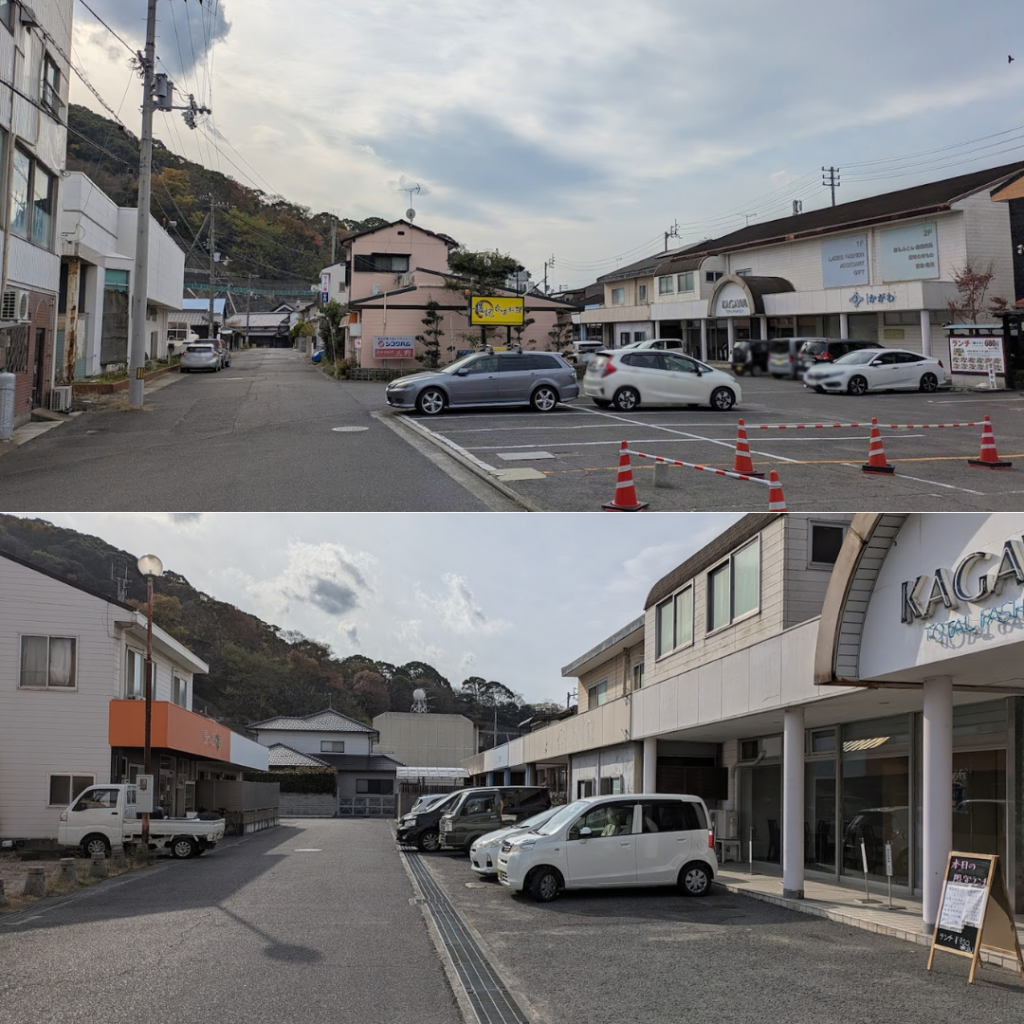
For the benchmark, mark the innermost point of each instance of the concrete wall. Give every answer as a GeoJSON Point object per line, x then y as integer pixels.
{"type": "Point", "coordinates": [617, 669]}
{"type": "Point", "coordinates": [804, 586]}
{"type": "Point", "coordinates": [308, 805]}
{"type": "Point", "coordinates": [425, 741]}
{"type": "Point", "coordinates": [624, 760]}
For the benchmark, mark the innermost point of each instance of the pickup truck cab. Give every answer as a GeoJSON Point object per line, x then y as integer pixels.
{"type": "Point", "coordinates": [104, 816]}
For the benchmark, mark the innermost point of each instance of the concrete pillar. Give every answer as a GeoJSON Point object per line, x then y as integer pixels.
{"type": "Point", "coordinates": [657, 328]}
{"type": "Point", "coordinates": [763, 320]}
{"type": "Point", "coordinates": [704, 339]}
{"type": "Point", "coordinates": [68, 875]}
{"type": "Point", "coordinates": [3, 896]}
{"type": "Point", "coordinates": [844, 325]}
{"type": "Point", "coordinates": [651, 761]}
{"type": "Point", "coordinates": [35, 883]}
{"type": "Point", "coordinates": [508, 777]}
{"type": "Point", "coordinates": [98, 868]}
{"type": "Point", "coordinates": [730, 334]}
{"type": "Point", "coordinates": [926, 336]}
{"type": "Point", "coordinates": [490, 778]}
{"type": "Point", "coordinates": [67, 374]}
{"type": "Point", "coordinates": [118, 861]}
{"type": "Point", "coordinates": [530, 775]}
{"type": "Point", "coordinates": [793, 804]}
{"type": "Point", "coordinates": [937, 793]}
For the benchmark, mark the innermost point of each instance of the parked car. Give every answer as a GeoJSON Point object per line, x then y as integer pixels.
{"type": "Point", "coordinates": [482, 810]}
{"type": "Point", "coordinates": [427, 800]}
{"type": "Point", "coordinates": [223, 352]}
{"type": "Point", "coordinates": [483, 854]}
{"type": "Point", "coordinates": [419, 827]}
{"type": "Point", "coordinates": [639, 839]}
{"type": "Point", "coordinates": [783, 357]}
{"type": "Point", "coordinates": [633, 378]}
{"type": "Point", "coordinates": [200, 355]}
{"type": "Point", "coordinates": [750, 357]}
{"type": "Point", "coordinates": [538, 379]}
{"type": "Point", "coordinates": [827, 350]}
{"type": "Point", "coordinates": [661, 344]}
{"type": "Point", "coordinates": [889, 369]}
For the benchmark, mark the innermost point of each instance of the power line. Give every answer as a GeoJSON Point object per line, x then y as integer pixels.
{"type": "Point", "coordinates": [127, 46]}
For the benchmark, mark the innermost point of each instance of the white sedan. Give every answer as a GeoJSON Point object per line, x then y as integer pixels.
{"type": "Point", "coordinates": [648, 377]}
{"type": "Point", "coordinates": [483, 854]}
{"type": "Point", "coordinates": [889, 369]}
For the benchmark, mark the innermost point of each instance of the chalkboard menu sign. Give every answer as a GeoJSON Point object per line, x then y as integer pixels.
{"type": "Point", "coordinates": [975, 911]}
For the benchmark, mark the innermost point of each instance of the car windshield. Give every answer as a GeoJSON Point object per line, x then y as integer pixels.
{"type": "Point", "coordinates": [459, 363]}
{"type": "Point", "coordinates": [780, 347]}
{"type": "Point", "coordinates": [864, 355]}
{"type": "Point", "coordinates": [200, 348]}
{"type": "Point", "coordinates": [536, 820]}
{"type": "Point", "coordinates": [568, 813]}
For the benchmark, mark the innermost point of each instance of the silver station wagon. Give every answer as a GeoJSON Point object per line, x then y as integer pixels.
{"type": "Point", "coordinates": [538, 379]}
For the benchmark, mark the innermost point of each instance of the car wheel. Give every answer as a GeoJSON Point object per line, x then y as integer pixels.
{"type": "Point", "coordinates": [430, 402]}
{"type": "Point", "coordinates": [626, 399]}
{"type": "Point", "coordinates": [544, 885]}
{"type": "Point", "coordinates": [183, 847]}
{"type": "Point", "coordinates": [929, 383]}
{"type": "Point", "coordinates": [544, 399]}
{"type": "Point", "coordinates": [601, 403]}
{"type": "Point", "coordinates": [857, 386]}
{"type": "Point", "coordinates": [755, 370]}
{"type": "Point", "coordinates": [695, 880]}
{"type": "Point", "coordinates": [722, 399]}
{"type": "Point", "coordinates": [429, 842]}
{"type": "Point", "coordinates": [96, 844]}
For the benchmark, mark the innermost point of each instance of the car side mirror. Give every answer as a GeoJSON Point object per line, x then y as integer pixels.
{"type": "Point", "coordinates": [463, 372]}
{"type": "Point", "coordinates": [586, 832]}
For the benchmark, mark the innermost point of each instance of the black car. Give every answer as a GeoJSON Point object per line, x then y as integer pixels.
{"type": "Point", "coordinates": [820, 351]}
{"type": "Point", "coordinates": [749, 357]}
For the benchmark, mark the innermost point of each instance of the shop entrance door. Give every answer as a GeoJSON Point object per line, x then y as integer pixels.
{"type": "Point", "coordinates": [761, 810]}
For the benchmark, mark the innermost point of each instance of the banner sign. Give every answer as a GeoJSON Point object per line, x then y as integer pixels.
{"type": "Point", "coordinates": [975, 355]}
{"type": "Point", "coordinates": [910, 253]}
{"type": "Point", "coordinates": [325, 287]}
{"type": "Point", "coordinates": [491, 311]}
{"type": "Point", "coordinates": [844, 261]}
{"type": "Point", "coordinates": [393, 346]}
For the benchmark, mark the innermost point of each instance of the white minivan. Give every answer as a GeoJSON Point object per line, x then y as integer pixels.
{"type": "Point", "coordinates": [637, 839]}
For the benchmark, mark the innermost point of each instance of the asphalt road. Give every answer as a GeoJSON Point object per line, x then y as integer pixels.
{"type": "Point", "coordinates": [259, 436]}
{"type": "Point", "coordinates": [655, 956]}
{"type": "Point", "coordinates": [310, 922]}
{"type": "Point", "coordinates": [567, 460]}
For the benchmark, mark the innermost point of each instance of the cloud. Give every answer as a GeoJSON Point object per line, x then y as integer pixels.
{"type": "Point", "coordinates": [185, 518]}
{"type": "Point", "coordinates": [330, 596]}
{"type": "Point", "coordinates": [457, 609]}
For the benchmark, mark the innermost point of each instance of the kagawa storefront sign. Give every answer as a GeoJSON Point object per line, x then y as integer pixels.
{"type": "Point", "coordinates": [981, 592]}
{"type": "Point", "coordinates": [731, 300]}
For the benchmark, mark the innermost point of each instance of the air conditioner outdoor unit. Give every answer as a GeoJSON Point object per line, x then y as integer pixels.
{"type": "Point", "coordinates": [60, 398]}
{"type": "Point", "coordinates": [15, 305]}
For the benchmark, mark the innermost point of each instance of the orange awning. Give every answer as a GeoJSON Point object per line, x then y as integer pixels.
{"type": "Point", "coordinates": [171, 728]}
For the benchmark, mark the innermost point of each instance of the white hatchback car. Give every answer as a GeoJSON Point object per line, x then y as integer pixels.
{"type": "Point", "coordinates": [878, 369]}
{"type": "Point", "coordinates": [483, 854]}
{"type": "Point", "coordinates": [650, 377]}
{"type": "Point", "coordinates": [639, 839]}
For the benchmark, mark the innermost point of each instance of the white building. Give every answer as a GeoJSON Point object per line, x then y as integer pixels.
{"type": "Point", "coordinates": [877, 269]}
{"type": "Point", "coordinates": [428, 740]}
{"type": "Point", "coordinates": [72, 705]}
{"type": "Point", "coordinates": [34, 43]}
{"type": "Point", "coordinates": [97, 264]}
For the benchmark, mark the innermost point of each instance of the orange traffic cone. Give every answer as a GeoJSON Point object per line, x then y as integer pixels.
{"type": "Point", "coordinates": [989, 457]}
{"type": "Point", "coordinates": [742, 463]}
{"type": "Point", "coordinates": [625, 492]}
{"type": "Point", "coordinates": [776, 500]}
{"type": "Point", "coordinates": [876, 453]}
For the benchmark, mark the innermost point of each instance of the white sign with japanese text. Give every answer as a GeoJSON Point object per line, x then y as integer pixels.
{"type": "Point", "coordinates": [844, 261]}
{"type": "Point", "coordinates": [909, 253]}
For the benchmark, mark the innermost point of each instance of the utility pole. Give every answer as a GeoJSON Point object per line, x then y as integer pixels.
{"type": "Point", "coordinates": [334, 236]}
{"type": "Point", "coordinates": [673, 232]}
{"type": "Point", "coordinates": [830, 179]}
{"type": "Point", "coordinates": [213, 265]}
{"type": "Point", "coordinates": [248, 299]}
{"type": "Point", "coordinates": [547, 263]}
{"type": "Point", "coordinates": [140, 275]}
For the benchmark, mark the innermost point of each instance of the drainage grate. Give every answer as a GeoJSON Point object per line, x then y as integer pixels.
{"type": "Point", "coordinates": [490, 999]}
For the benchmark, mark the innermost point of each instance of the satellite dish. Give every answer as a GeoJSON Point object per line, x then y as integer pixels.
{"type": "Point", "coordinates": [419, 694]}
{"type": "Point", "coordinates": [410, 213]}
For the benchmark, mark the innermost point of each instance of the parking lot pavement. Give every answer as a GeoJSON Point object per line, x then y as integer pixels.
{"type": "Point", "coordinates": [567, 460]}
{"type": "Point", "coordinates": [655, 956]}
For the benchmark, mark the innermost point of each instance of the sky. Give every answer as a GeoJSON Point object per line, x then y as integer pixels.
{"type": "Point", "coordinates": [512, 598]}
{"type": "Point", "coordinates": [574, 130]}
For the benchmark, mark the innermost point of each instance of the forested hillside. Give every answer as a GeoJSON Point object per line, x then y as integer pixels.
{"type": "Point", "coordinates": [257, 669]}
{"type": "Point", "coordinates": [262, 234]}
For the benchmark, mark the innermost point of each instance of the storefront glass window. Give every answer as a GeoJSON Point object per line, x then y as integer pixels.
{"type": "Point", "coordinates": [875, 798]}
{"type": "Point", "coordinates": [820, 815]}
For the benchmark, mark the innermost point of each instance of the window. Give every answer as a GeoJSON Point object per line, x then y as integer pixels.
{"type": "Point", "coordinates": [745, 272]}
{"type": "Point", "coordinates": [669, 816]}
{"type": "Point", "coordinates": [646, 360]}
{"type": "Point", "coordinates": [674, 625]}
{"type": "Point", "coordinates": [116, 280]}
{"type": "Point", "coordinates": [378, 786]}
{"type": "Point", "coordinates": [597, 695]}
{"type": "Point", "coordinates": [31, 179]}
{"type": "Point", "coordinates": [624, 338]}
{"type": "Point", "coordinates": [684, 282]}
{"type": "Point", "coordinates": [134, 677]}
{"type": "Point", "coordinates": [611, 785]}
{"type": "Point", "coordinates": [638, 675]}
{"type": "Point", "coordinates": [584, 788]}
{"type": "Point", "coordinates": [665, 285]}
{"type": "Point", "coordinates": [383, 263]}
{"type": "Point", "coordinates": [49, 92]}
{"type": "Point", "coordinates": [6, 11]}
{"type": "Point", "coordinates": [901, 318]}
{"type": "Point", "coordinates": [908, 357]}
{"type": "Point", "coordinates": [681, 364]}
{"type": "Point", "coordinates": [19, 192]}
{"type": "Point", "coordinates": [542, 362]}
{"type": "Point", "coordinates": [98, 800]}
{"type": "Point", "coordinates": [65, 788]}
{"type": "Point", "coordinates": [734, 587]}
{"type": "Point", "coordinates": [823, 741]}
{"type": "Point", "coordinates": [332, 746]}
{"type": "Point", "coordinates": [485, 364]}
{"type": "Point", "coordinates": [712, 275]}
{"type": "Point", "coordinates": [749, 750]}
{"type": "Point", "coordinates": [618, 296]}
{"type": "Point", "coordinates": [606, 820]}
{"type": "Point", "coordinates": [179, 691]}
{"type": "Point", "coordinates": [49, 661]}
{"type": "Point", "coordinates": [639, 335]}
{"type": "Point", "coordinates": [641, 293]}
{"type": "Point", "coordinates": [478, 805]}
{"type": "Point", "coordinates": [825, 544]}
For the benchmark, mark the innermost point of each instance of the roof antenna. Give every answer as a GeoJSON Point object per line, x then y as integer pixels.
{"type": "Point", "coordinates": [412, 190]}
{"type": "Point", "coordinates": [121, 581]}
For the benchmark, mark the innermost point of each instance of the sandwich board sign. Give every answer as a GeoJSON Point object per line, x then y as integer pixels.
{"type": "Point", "coordinates": [975, 911]}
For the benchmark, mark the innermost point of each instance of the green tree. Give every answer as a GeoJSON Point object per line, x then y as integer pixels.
{"type": "Point", "coordinates": [481, 272]}
{"type": "Point", "coordinates": [561, 335]}
{"type": "Point", "coordinates": [430, 339]}
{"type": "Point", "coordinates": [330, 327]}
{"type": "Point", "coordinates": [519, 328]}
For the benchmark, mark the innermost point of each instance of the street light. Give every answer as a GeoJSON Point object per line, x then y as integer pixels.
{"type": "Point", "coordinates": [149, 566]}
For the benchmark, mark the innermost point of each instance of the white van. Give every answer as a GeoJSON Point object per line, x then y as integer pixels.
{"type": "Point", "coordinates": [638, 839]}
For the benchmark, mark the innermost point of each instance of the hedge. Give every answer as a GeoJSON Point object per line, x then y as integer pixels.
{"type": "Point", "coordinates": [298, 782]}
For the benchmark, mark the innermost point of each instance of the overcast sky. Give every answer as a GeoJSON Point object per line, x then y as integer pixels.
{"type": "Point", "coordinates": [507, 597]}
{"type": "Point", "coordinates": [579, 129]}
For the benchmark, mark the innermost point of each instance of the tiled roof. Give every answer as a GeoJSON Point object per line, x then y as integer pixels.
{"type": "Point", "coordinates": [361, 762]}
{"type": "Point", "coordinates": [283, 756]}
{"type": "Point", "coordinates": [258, 320]}
{"type": "Point", "coordinates": [649, 264]}
{"type": "Point", "coordinates": [327, 720]}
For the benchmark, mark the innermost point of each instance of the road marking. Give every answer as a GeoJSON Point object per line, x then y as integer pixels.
{"type": "Point", "coordinates": [349, 430]}
{"type": "Point", "coordinates": [526, 456]}
{"type": "Point", "coordinates": [935, 483]}
{"type": "Point", "coordinates": [975, 401]}
{"type": "Point", "coordinates": [308, 849]}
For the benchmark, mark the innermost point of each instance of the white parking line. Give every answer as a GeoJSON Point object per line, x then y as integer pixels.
{"type": "Point", "coordinates": [674, 440]}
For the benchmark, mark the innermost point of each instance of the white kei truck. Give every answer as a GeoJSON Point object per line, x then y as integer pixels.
{"type": "Point", "coordinates": [104, 816]}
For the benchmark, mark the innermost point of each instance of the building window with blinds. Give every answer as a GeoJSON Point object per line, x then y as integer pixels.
{"type": "Point", "coordinates": [49, 662]}
{"type": "Point", "coordinates": [734, 587]}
